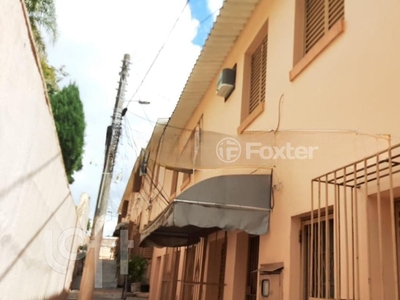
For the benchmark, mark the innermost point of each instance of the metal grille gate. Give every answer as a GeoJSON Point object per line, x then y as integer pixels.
{"type": "Point", "coordinates": [170, 273]}
{"type": "Point", "coordinates": [338, 193]}
{"type": "Point", "coordinates": [193, 283]}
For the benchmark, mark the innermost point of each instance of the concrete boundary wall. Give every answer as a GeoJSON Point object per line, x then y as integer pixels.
{"type": "Point", "coordinates": [37, 212]}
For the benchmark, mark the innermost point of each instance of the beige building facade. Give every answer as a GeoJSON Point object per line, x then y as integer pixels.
{"type": "Point", "coordinates": [313, 116]}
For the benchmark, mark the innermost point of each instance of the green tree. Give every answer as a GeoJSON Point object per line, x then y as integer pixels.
{"type": "Point", "coordinates": [42, 17]}
{"type": "Point", "coordinates": [66, 104]}
{"type": "Point", "coordinates": [70, 123]}
{"type": "Point", "coordinates": [137, 269]}
{"type": "Point", "coordinates": [89, 225]}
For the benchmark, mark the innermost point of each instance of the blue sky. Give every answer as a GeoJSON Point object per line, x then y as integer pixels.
{"type": "Point", "coordinates": [201, 11]}
{"type": "Point", "coordinates": [92, 42]}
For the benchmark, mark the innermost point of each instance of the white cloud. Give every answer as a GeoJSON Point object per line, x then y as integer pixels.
{"type": "Point", "coordinates": [214, 5]}
{"type": "Point", "coordinates": [93, 38]}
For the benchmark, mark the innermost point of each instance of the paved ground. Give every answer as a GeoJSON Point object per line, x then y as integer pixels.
{"type": "Point", "coordinates": [106, 283]}
{"type": "Point", "coordinates": [108, 294]}
{"type": "Point", "coordinates": [106, 272]}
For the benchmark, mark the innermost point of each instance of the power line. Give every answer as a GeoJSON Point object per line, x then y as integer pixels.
{"type": "Point", "coordinates": [158, 53]}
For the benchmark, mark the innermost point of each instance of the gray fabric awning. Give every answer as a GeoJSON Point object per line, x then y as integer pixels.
{"type": "Point", "coordinates": [229, 202]}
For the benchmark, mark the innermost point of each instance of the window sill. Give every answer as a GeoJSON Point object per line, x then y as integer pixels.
{"type": "Point", "coordinates": [324, 42]}
{"type": "Point", "coordinates": [250, 118]}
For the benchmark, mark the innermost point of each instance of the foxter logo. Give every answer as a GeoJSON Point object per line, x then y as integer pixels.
{"type": "Point", "coordinates": [283, 152]}
{"type": "Point", "coordinates": [228, 150]}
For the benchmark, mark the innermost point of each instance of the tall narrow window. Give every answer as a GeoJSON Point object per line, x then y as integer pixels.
{"type": "Point", "coordinates": [255, 78]}
{"type": "Point", "coordinates": [317, 24]}
{"type": "Point", "coordinates": [258, 75]}
{"type": "Point", "coordinates": [174, 182]}
{"type": "Point", "coordinates": [318, 259]}
{"type": "Point", "coordinates": [320, 16]}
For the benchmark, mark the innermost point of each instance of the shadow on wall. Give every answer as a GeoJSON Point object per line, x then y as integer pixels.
{"type": "Point", "coordinates": [62, 296]}
{"type": "Point", "coordinates": [24, 178]}
{"type": "Point", "coordinates": [9, 267]}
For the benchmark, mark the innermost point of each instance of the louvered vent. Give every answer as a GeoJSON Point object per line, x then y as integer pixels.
{"type": "Point", "coordinates": [147, 253]}
{"type": "Point", "coordinates": [258, 75]}
{"type": "Point", "coordinates": [321, 15]}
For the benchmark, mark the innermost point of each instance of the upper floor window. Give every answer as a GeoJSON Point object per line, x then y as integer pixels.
{"type": "Point", "coordinates": [320, 16]}
{"type": "Point", "coordinates": [258, 76]}
{"type": "Point", "coordinates": [255, 78]}
{"type": "Point", "coordinates": [317, 24]}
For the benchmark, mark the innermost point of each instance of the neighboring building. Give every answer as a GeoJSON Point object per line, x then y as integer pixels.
{"type": "Point", "coordinates": [128, 237]}
{"type": "Point", "coordinates": [289, 185]}
{"type": "Point", "coordinates": [82, 238]}
{"type": "Point", "coordinates": [108, 246]}
{"type": "Point", "coordinates": [37, 212]}
{"type": "Point", "coordinates": [82, 210]}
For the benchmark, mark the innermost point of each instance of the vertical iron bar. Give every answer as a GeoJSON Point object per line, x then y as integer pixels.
{"type": "Point", "coordinates": [203, 264]}
{"type": "Point", "coordinates": [196, 260]}
{"type": "Point", "coordinates": [336, 248]}
{"type": "Point", "coordinates": [392, 220]}
{"type": "Point", "coordinates": [319, 241]}
{"type": "Point", "coordinates": [327, 246]}
{"type": "Point", "coordinates": [185, 267]}
{"type": "Point", "coordinates": [216, 249]}
{"type": "Point", "coordinates": [346, 232]}
{"type": "Point", "coordinates": [310, 263]}
{"type": "Point", "coordinates": [378, 192]}
{"type": "Point", "coordinates": [339, 245]}
{"type": "Point", "coordinates": [368, 226]}
{"type": "Point", "coordinates": [356, 234]}
{"type": "Point", "coordinates": [352, 190]}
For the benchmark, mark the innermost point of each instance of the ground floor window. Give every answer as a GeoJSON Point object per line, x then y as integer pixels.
{"type": "Point", "coordinates": [317, 238]}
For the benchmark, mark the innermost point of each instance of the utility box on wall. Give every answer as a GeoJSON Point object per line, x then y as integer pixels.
{"type": "Point", "coordinates": [226, 82]}
{"type": "Point", "coordinates": [270, 287]}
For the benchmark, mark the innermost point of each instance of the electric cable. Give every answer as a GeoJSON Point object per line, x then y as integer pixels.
{"type": "Point", "coordinates": [163, 45]}
{"type": "Point", "coordinates": [158, 53]}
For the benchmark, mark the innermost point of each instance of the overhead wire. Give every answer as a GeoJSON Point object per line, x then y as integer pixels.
{"type": "Point", "coordinates": [136, 148]}
{"type": "Point", "coordinates": [163, 45]}
{"type": "Point", "coordinates": [158, 53]}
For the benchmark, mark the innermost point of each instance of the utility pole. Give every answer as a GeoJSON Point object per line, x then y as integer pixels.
{"type": "Point", "coordinates": [112, 140]}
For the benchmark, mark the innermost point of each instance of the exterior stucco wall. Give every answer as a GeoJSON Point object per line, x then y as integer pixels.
{"type": "Point", "coordinates": [347, 97]}
{"type": "Point", "coordinates": [156, 273]}
{"type": "Point", "coordinates": [36, 205]}
{"type": "Point", "coordinates": [349, 88]}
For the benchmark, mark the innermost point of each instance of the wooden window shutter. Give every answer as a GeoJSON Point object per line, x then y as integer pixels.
{"type": "Point", "coordinates": [320, 16]}
{"type": "Point", "coordinates": [258, 77]}
{"type": "Point", "coordinates": [336, 11]}
{"type": "Point", "coordinates": [148, 253]}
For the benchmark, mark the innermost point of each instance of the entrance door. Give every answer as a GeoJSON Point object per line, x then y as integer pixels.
{"type": "Point", "coordinates": [252, 265]}
{"type": "Point", "coordinates": [214, 288]}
